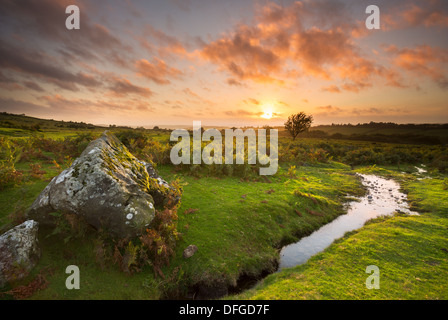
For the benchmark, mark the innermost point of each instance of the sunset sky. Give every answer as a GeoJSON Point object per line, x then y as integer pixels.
{"type": "Point", "coordinates": [241, 62]}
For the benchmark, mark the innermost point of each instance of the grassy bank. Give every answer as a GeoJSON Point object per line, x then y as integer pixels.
{"type": "Point", "coordinates": [410, 251]}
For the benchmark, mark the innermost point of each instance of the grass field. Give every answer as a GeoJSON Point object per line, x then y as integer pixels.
{"type": "Point", "coordinates": [240, 221]}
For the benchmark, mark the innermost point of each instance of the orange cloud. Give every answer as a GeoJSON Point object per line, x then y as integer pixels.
{"type": "Point", "coordinates": [166, 46]}
{"type": "Point", "coordinates": [277, 47]}
{"type": "Point", "coordinates": [332, 88]}
{"type": "Point", "coordinates": [242, 57]}
{"type": "Point", "coordinates": [423, 60]}
{"type": "Point", "coordinates": [157, 71]}
{"type": "Point", "coordinates": [252, 101]}
{"type": "Point", "coordinates": [329, 110]}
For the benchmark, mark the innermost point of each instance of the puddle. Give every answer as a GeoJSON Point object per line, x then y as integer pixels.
{"type": "Point", "coordinates": [383, 198]}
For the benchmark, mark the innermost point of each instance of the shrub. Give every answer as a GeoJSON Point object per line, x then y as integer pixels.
{"type": "Point", "coordinates": [36, 171]}
{"type": "Point", "coordinates": [69, 226]}
{"type": "Point", "coordinates": [292, 172]}
{"type": "Point", "coordinates": [153, 248]}
{"type": "Point", "coordinates": [10, 154]}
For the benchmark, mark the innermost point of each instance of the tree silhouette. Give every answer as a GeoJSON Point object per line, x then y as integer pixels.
{"type": "Point", "coordinates": [298, 123]}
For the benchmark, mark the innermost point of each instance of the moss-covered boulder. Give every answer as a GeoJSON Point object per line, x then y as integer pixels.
{"type": "Point", "coordinates": [108, 187]}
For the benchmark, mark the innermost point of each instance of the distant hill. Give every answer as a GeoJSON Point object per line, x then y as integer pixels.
{"type": "Point", "coordinates": [384, 132]}
{"type": "Point", "coordinates": [21, 121]}
{"type": "Point", "coordinates": [18, 124]}
{"type": "Point", "coordinates": [379, 132]}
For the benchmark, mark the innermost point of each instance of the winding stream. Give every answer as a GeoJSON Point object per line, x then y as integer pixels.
{"type": "Point", "coordinates": [383, 198]}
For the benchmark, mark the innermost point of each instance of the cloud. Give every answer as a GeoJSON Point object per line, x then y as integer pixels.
{"type": "Point", "coordinates": [422, 60]}
{"type": "Point", "coordinates": [33, 63]}
{"type": "Point", "coordinates": [184, 5]}
{"type": "Point", "coordinates": [19, 106]}
{"type": "Point", "coordinates": [157, 71]}
{"type": "Point", "coordinates": [33, 86]}
{"type": "Point", "coordinates": [252, 101]}
{"type": "Point", "coordinates": [191, 93]}
{"type": "Point", "coordinates": [332, 88]}
{"type": "Point", "coordinates": [428, 14]}
{"type": "Point", "coordinates": [166, 46]}
{"type": "Point", "coordinates": [285, 104]}
{"type": "Point", "coordinates": [243, 58]}
{"type": "Point", "coordinates": [74, 106]}
{"type": "Point", "coordinates": [123, 87]}
{"type": "Point", "coordinates": [234, 82]}
{"type": "Point", "coordinates": [278, 46]}
{"type": "Point", "coordinates": [366, 111]}
{"type": "Point", "coordinates": [45, 20]}
{"type": "Point", "coordinates": [328, 110]}
{"type": "Point", "coordinates": [242, 113]}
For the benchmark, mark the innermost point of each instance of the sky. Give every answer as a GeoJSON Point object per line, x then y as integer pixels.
{"type": "Point", "coordinates": [225, 63]}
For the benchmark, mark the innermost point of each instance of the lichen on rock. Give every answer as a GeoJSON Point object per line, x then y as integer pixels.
{"type": "Point", "coordinates": [108, 187]}
{"type": "Point", "coordinates": [19, 252]}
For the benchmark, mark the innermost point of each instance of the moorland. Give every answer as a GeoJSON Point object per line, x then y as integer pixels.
{"type": "Point", "coordinates": [239, 220]}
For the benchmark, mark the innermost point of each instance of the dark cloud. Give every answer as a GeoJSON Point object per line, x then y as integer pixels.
{"type": "Point", "coordinates": [123, 87]}
{"type": "Point", "coordinates": [17, 106]}
{"type": "Point", "coordinates": [33, 86]}
{"type": "Point", "coordinates": [44, 67]}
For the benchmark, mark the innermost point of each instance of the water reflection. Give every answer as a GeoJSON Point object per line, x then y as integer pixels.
{"type": "Point", "coordinates": [383, 198]}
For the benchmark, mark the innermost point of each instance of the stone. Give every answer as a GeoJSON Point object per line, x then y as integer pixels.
{"type": "Point", "coordinates": [108, 187]}
{"type": "Point", "coordinates": [19, 252]}
{"type": "Point", "coordinates": [190, 251]}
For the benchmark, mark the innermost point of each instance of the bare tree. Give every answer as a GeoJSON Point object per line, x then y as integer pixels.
{"type": "Point", "coordinates": [298, 123]}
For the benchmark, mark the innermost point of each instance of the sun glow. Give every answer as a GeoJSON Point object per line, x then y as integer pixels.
{"type": "Point", "coordinates": [267, 111]}
{"type": "Point", "coordinates": [267, 115]}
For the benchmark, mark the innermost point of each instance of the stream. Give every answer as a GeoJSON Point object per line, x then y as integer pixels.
{"type": "Point", "coordinates": [383, 198]}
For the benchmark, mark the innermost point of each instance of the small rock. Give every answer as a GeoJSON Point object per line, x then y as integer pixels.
{"type": "Point", "coordinates": [190, 251]}
{"type": "Point", "coordinates": [19, 252]}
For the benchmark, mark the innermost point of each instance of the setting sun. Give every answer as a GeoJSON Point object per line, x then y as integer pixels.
{"type": "Point", "coordinates": [267, 115]}
{"type": "Point", "coordinates": [267, 111]}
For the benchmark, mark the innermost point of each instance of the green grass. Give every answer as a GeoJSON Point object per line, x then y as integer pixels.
{"type": "Point", "coordinates": [95, 283]}
{"type": "Point", "coordinates": [22, 196]}
{"type": "Point", "coordinates": [410, 251]}
{"type": "Point", "coordinates": [238, 227]}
